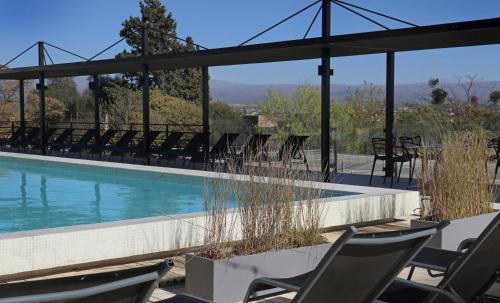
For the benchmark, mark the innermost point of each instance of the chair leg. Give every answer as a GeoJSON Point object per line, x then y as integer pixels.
{"type": "Point", "coordinates": [410, 273]}
{"type": "Point", "coordinates": [400, 169]}
{"type": "Point", "coordinates": [496, 170]}
{"type": "Point", "coordinates": [373, 168]}
{"type": "Point", "coordinates": [394, 170]}
{"type": "Point", "coordinates": [412, 170]}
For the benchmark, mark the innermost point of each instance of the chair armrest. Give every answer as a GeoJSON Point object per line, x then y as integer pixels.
{"type": "Point", "coordinates": [432, 289]}
{"type": "Point", "coordinates": [165, 267]}
{"type": "Point", "coordinates": [466, 244]}
{"type": "Point", "coordinates": [269, 282]}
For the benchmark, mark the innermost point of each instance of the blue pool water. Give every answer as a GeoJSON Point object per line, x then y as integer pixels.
{"type": "Point", "coordinates": [37, 194]}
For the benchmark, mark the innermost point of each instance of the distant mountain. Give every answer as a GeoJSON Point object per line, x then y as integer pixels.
{"type": "Point", "coordinates": [249, 94]}
{"type": "Point", "coordinates": [406, 93]}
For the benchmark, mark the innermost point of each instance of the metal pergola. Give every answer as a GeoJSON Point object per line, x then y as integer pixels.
{"type": "Point", "coordinates": [326, 47]}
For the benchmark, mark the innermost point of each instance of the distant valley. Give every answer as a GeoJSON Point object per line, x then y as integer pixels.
{"type": "Point", "coordinates": [250, 94]}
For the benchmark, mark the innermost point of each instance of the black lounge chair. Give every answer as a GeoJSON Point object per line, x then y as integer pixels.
{"type": "Point", "coordinates": [16, 135]}
{"type": "Point", "coordinates": [62, 140]}
{"type": "Point", "coordinates": [255, 149]}
{"type": "Point", "coordinates": [222, 149]}
{"type": "Point", "coordinates": [84, 143]}
{"type": "Point", "coordinates": [193, 147]}
{"type": "Point", "coordinates": [467, 275]}
{"type": "Point", "coordinates": [28, 138]}
{"type": "Point", "coordinates": [124, 286]}
{"type": "Point", "coordinates": [99, 147]}
{"type": "Point", "coordinates": [124, 145]}
{"type": "Point", "coordinates": [140, 151]}
{"type": "Point", "coordinates": [293, 148]}
{"type": "Point", "coordinates": [168, 146]}
{"type": "Point", "coordinates": [37, 142]}
{"type": "Point", "coordinates": [353, 270]}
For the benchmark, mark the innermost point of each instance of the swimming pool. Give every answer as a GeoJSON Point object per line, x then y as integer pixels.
{"type": "Point", "coordinates": [60, 213]}
{"type": "Point", "coordinates": [38, 194]}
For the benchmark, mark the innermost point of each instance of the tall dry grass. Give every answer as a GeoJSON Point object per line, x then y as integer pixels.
{"type": "Point", "coordinates": [272, 212]}
{"type": "Point", "coordinates": [454, 178]}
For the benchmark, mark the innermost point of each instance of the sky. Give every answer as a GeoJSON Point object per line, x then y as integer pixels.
{"type": "Point", "coordinates": [88, 26]}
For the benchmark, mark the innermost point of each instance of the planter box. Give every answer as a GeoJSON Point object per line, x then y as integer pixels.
{"type": "Point", "coordinates": [458, 230]}
{"type": "Point", "coordinates": [227, 280]}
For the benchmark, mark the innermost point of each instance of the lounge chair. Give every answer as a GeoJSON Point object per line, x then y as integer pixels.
{"type": "Point", "coordinates": [124, 145]}
{"type": "Point", "coordinates": [125, 286]}
{"type": "Point", "coordinates": [16, 135]}
{"type": "Point", "coordinates": [293, 148]}
{"type": "Point", "coordinates": [170, 143]}
{"type": "Point", "coordinates": [28, 138]}
{"type": "Point", "coordinates": [193, 148]}
{"type": "Point", "coordinates": [140, 151]}
{"type": "Point", "coordinates": [467, 275]}
{"type": "Point", "coordinates": [62, 140]}
{"type": "Point", "coordinates": [99, 147]}
{"type": "Point", "coordinates": [255, 149]}
{"type": "Point", "coordinates": [222, 149]}
{"type": "Point", "coordinates": [353, 270]}
{"type": "Point", "coordinates": [84, 143]}
{"type": "Point", "coordinates": [37, 142]}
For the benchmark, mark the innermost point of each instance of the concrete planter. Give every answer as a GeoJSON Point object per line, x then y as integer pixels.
{"type": "Point", "coordinates": [227, 280]}
{"type": "Point", "coordinates": [458, 230]}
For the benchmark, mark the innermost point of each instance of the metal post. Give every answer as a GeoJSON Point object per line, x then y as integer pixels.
{"type": "Point", "coordinates": [325, 72]}
{"type": "Point", "coordinates": [389, 113]}
{"type": "Point", "coordinates": [205, 109]}
{"type": "Point", "coordinates": [97, 113]}
{"type": "Point", "coordinates": [21, 104]}
{"type": "Point", "coordinates": [145, 89]}
{"type": "Point", "coordinates": [41, 89]}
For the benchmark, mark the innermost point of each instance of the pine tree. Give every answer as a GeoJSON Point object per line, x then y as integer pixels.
{"type": "Point", "coordinates": [186, 83]}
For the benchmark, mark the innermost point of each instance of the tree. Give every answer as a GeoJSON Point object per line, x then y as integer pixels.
{"type": "Point", "coordinates": [65, 91]}
{"type": "Point", "coordinates": [8, 90]}
{"type": "Point", "coordinates": [184, 84]}
{"type": "Point", "coordinates": [438, 94]}
{"type": "Point", "coordinates": [225, 118]}
{"type": "Point", "coordinates": [125, 108]}
{"type": "Point", "coordinates": [54, 109]}
{"type": "Point", "coordinates": [494, 97]}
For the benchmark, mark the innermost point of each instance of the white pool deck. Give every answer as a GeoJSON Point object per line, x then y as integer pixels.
{"type": "Point", "coordinates": [84, 245]}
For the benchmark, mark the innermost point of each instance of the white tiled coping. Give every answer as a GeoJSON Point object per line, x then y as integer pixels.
{"type": "Point", "coordinates": [44, 249]}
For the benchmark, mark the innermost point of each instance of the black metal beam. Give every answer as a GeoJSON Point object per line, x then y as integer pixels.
{"type": "Point", "coordinates": [459, 34]}
{"type": "Point", "coordinates": [21, 103]}
{"type": "Point", "coordinates": [206, 109]}
{"type": "Point", "coordinates": [41, 89]}
{"type": "Point", "coordinates": [97, 104]}
{"type": "Point", "coordinates": [389, 113]}
{"type": "Point", "coordinates": [145, 90]}
{"type": "Point", "coordinates": [325, 72]}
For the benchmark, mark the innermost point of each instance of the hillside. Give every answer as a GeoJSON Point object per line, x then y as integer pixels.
{"type": "Point", "coordinates": [248, 94]}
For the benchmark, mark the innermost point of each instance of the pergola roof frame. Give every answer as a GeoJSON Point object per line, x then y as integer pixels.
{"type": "Point", "coordinates": [458, 34]}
